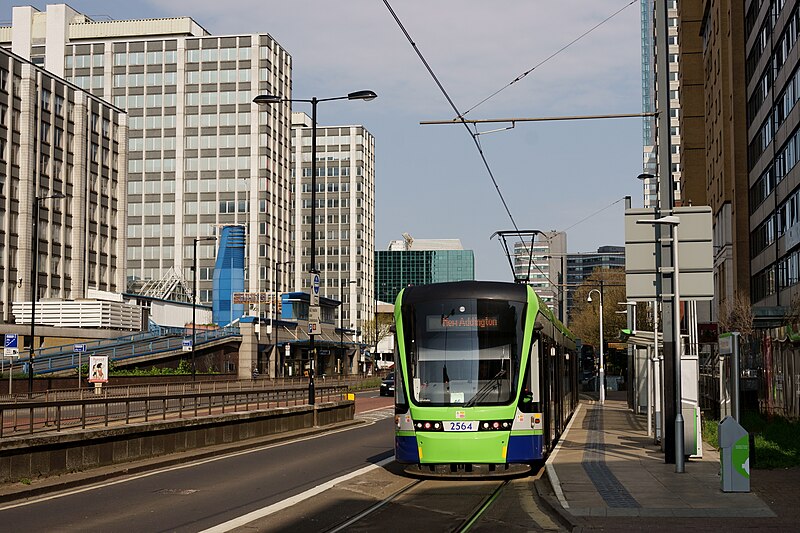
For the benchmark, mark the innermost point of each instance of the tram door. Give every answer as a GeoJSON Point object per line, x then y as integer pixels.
{"type": "Point", "coordinates": [548, 377]}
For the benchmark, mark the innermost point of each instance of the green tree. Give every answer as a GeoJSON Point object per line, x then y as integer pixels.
{"type": "Point", "coordinates": [585, 317]}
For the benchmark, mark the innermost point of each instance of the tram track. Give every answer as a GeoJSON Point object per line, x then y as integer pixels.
{"type": "Point", "coordinates": [418, 495]}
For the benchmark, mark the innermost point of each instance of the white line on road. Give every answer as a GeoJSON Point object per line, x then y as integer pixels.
{"type": "Point", "coordinates": [178, 467]}
{"type": "Point", "coordinates": [294, 500]}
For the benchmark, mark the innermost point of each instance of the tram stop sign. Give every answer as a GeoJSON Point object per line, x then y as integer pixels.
{"type": "Point", "coordinates": [11, 346]}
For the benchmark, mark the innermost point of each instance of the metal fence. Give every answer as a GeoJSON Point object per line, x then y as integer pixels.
{"type": "Point", "coordinates": [130, 405]}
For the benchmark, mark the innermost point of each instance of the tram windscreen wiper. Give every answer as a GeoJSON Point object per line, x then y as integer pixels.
{"type": "Point", "coordinates": [492, 384]}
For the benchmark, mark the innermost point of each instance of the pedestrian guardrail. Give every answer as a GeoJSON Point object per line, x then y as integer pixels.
{"type": "Point", "coordinates": [89, 410]}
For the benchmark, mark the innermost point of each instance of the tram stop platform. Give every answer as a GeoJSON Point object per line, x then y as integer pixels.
{"type": "Point", "coordinates": [607, 474]}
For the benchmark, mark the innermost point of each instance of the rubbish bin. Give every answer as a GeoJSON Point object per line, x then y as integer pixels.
{"type": "Point", "coordinates": [734, 456]}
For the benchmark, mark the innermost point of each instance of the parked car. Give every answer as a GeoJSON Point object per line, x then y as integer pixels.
{"type": "Point", "coordinates": [387, 385]}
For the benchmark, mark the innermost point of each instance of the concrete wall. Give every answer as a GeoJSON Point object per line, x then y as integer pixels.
{"type": "Point", "coordinates": [53, 454]}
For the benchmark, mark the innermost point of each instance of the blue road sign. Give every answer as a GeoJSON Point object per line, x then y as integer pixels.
{"type": "Point", "coordinates": [11, 340]}
{"type": "Point", "coordinates": [79, 347]}
{"type": "Point", "coordinates": [187, 345]}
{"type": "Point", "coordinates": [316, 283]}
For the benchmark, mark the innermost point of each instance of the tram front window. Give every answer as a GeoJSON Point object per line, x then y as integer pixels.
{"type": "Point", "coordinates": [464, 351]}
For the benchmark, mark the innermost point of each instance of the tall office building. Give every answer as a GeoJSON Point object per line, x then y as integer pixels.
{"type": "Point", "coordinates": [200, 153]}
{"type": "Point", "coordinates": [56, 139]}
{"type": "Point", "coordinates": [772, 78]}
{"type": "Point", "coordinates": [650, 134]}
{"type": "Point", "coordinates": [413, 261]}
{"type": "Point", "coordinates": [345, 213]}
{"type": "Point", "coordinates": [542, 262]}
{"type": "Point", "coordinates": [722, 34]}
{"type": "Point", "coordinates": [581, 266]}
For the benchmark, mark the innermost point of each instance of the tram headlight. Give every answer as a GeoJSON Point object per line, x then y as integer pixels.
{"type": "Point", "coordinates": [427, 425]}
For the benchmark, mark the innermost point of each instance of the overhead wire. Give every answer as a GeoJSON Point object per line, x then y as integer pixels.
{"type": "Point", "coordinates": [548, 58]}
{"type": "Point", "coordinates": [475, 135]}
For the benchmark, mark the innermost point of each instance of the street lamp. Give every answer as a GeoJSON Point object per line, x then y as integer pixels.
{"type": "Point", "coordinates": [269, 99]}
{"type": "Point", "coordinates": [275, 322]}
{"type": "Point", "coordinates": [194, 295]}
{"type": "Point", "coordinates": [37, 201]}
{"type": "Point", "coordinates": [341, 314]}
{"type": "Point", "coordinates": [602, 362]}
{"type": "Point", "coordinates": [673, 221]}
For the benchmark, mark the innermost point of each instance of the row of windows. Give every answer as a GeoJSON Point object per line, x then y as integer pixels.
{"type": "Point", "coordinates": [150, 209]}
{"type": "Point", "coordinates": [217, 119]}
{"type": "Point", "coordinates": [217, 163]}
{"type": "Point", "coordinates": [784, 45]}
{"type": "Point", "coordinates": [151, 165]}
{"type": "Point", "coordinates": [145, 80]}
{"type": "Point", "coordinates": [136, 101]}
{"type": "Point", "coordinates": [220, 185]}
{"type": "Point", "coordinates": [136, 231]}
{"type": "Point", "coordinates": [219, 54]}
{"type": "Point", "coordinates": [148, 58]}
{"type": "Point", "coordinates": [218, 97]}
{"type": "Point", "coordinates": [217, 76]}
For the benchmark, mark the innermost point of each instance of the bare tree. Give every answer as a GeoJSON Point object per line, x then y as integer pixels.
{"type": "Point", "coordinates": [737, 314]}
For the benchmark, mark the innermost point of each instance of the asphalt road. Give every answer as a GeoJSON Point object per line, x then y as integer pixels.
{"type": "Point", "coordinates": [199, 495]}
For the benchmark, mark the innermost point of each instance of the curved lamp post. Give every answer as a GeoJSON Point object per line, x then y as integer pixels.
{"type": "Point", "coordinates": [269, 99]}
{"type": "Point", "coordinates": [602, 362]}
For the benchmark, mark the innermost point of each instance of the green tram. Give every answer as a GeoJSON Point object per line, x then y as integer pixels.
{"type": "Point", "coordinates": [486, 378]}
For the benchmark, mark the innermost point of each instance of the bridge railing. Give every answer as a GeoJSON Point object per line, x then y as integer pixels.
{"type": "Point", "coordinates": [134, 346]}
{"type": "Point", "coordinates": [101, 410]}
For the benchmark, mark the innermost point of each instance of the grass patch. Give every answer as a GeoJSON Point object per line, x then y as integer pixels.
{"type": "Point", "coordinates": [369, 383]}
{"type": "Point", "coordinates": [775, 442]}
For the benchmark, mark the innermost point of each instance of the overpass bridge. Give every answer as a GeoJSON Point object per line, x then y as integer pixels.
{"type": "Point", "coordinates": [126, 351]}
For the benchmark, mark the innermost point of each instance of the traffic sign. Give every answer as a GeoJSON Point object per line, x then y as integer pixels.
{"type": "Point", "coordinates": [11, 345]}
{"type": "Point", "coordinates": [313, 319]}
{"type": "Point", "coordinates": [187, 345]}
{"type": "Point", "coordinates": [79, 348]}
{"type": "Point", "coordinates": [314, 289]}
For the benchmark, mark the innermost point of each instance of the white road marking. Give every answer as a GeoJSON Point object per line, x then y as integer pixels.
{"type": "Point", "coordinates": [178, 467]}
{"type": "Point", "coordinates": [294, 500]}
{"type": "Point", "coordinates": [551, 471]}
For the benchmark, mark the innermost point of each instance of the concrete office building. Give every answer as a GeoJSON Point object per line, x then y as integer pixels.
{"type": "Point", "coordinates": [58, 139]}
{"type": "Point", "coordinates": [201, 154]}
{"type": "Point", "coordinates": [580, 266]}
{"type": "Point", "coordinates": [772, 78]}
{"type": "Point", "coordinates": [542, 264]}
{"type": "Point", "coordinates": [345, 215]}
{"type": "Point", "coordinates": [413, 261]}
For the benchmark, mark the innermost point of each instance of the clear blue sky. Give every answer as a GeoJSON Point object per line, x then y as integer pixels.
{"type": "Point", "coordinates": [431, 182]}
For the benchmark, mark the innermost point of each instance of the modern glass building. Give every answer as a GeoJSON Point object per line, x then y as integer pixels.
{"type": "Point", "coordinates": [420, 262]}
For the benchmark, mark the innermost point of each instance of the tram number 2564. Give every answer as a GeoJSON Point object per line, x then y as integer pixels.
{"type": "Point", "coordinates": [461, 426]}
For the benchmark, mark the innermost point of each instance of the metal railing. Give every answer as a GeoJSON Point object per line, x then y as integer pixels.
{"type": "Point", "coordinates": [57, 359]}
{"type": "Point", "coordinates": [194, 400]}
